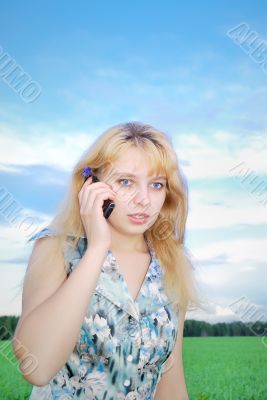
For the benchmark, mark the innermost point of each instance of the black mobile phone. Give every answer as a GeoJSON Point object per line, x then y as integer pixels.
{"type": "Point", "coordinates": [108, 205]}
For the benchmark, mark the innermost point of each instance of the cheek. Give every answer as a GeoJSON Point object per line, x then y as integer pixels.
{"type": "Point", "coordinates": [124, 195]}
{"type": "Point", "coordinates": [160, 199]}
{"type": "Point", "coordinates": [122, 201]}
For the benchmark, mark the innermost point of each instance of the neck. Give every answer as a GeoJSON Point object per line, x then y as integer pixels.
{"type": "Point", "coordinates": [128, 243]}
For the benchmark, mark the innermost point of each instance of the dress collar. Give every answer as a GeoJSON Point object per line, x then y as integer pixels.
{"type": "Point", "coordinates": [151, 295]}
{"type": "Point", "coordinates": [112, 285]}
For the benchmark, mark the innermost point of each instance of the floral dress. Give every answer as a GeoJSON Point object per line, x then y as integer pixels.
{"type": "Point", "coordinates": [123, 345]}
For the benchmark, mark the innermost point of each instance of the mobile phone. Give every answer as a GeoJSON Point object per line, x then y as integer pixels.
{"type": "Point", "coordinates": [108, 205]}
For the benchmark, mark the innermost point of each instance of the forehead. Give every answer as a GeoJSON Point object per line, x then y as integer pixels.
{"type": "Point", "coordinates": [130, 154]}
{"type": "Point", "coordinates": [136, 162]}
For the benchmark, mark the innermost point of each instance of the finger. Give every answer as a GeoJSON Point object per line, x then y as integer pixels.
{"type": "Point", "coordinates": [99, 200]}
{"type": "Point", "coordinates": [88, 184]}
{"type": "Point", "coordinates": [91, 187]}
{"type": "Point", "coordinates": [89, 199]}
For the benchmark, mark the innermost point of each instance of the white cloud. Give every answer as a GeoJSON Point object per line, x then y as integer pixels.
{"type": "Point", "coordinates": [207, 216]}
{"type": "Point", "coordinates": [215, 313]}
{"type": "Point", "coordinates": [214, 154]}
{"type": "Point", "coordinates": [44, 146]}
{"type": "Point", "coordinates": [15, 234]}
{"type": "Point", "coordinates": [209, 156]}
{"type": "Point", "coordinates": [14, 247]}
{"type": "Point", "coordinates": [240, 272]}
{"type": "Point", "coordinates": [241, 250]}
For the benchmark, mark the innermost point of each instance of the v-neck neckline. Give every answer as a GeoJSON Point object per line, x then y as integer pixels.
{"type": "Point", "coordinates": [119, 271]}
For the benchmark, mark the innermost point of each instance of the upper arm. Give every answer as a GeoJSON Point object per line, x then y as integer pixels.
{"type": "Point", "coordinates": [172, 383]}
{"type": "Point", "coordinates": [44, 275]}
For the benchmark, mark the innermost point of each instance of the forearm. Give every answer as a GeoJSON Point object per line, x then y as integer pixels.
{"type": "Point", "coordinates": [50, 331]}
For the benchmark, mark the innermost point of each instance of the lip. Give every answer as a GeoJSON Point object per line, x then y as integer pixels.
{"type": "Point", "coordinates": [139, 215]}
{"type": "Point", "coordinates": [138, 221]}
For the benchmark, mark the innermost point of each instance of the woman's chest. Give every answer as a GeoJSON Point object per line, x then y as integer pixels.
{"type": "Point", "coordinates": [124, 334]}
{"type": "Point", "coordinates": [133, 269]}
{"type": "Point", "coordinates": [112, 333]}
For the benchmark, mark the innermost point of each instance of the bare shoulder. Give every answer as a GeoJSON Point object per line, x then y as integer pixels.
{"type": "Point", "coordinates": [45, 273]}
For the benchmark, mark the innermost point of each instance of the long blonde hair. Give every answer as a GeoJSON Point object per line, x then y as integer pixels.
{"type": "Point", "coordinates": [168, 232]}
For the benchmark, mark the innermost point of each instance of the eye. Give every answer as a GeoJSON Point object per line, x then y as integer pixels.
{"type": "Point", "coordinates": [123, 179]}
{"type": "Point", "coordinates": [129, 180]}
{"type": "Point", "coordinates": [159, 183]}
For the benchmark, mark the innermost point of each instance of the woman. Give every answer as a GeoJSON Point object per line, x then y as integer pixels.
{"type": "Point", "coordinates": [104, 298]}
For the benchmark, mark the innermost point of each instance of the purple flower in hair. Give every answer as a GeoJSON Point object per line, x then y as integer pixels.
{"type": "Point", "coordinates": [87, 171]}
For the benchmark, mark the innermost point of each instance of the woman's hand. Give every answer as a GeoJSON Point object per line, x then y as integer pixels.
{"type": "Point", "coordinates": [91, 199]}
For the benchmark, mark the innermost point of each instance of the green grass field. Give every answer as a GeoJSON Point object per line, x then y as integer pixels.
{"type": "Point", "coordinates": [225, 368]}
{"type": "Point", "coordinates": [216, 368]}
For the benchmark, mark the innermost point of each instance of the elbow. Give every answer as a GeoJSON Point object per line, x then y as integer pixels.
{"type": "Point", "coordinates": [35, 379]}
{"type": "Point", "coordinates": [28, 364]}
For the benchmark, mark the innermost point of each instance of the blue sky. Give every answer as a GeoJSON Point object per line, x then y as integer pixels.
{"type": "Point", "coordinates": [169, 64]}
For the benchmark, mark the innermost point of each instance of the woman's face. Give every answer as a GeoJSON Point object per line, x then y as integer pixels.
{"type": "Point", "coordinates": [136, 191]}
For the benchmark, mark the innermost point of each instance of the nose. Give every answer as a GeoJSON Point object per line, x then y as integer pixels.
{"type": "Point", "coordinates": [141, 199]}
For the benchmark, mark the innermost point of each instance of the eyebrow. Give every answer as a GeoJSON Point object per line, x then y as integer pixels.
{"type": "Point", "coordinates": [135, 176]}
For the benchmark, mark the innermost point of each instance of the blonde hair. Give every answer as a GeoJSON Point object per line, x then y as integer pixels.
{"type": "Point", "coordinates": [168, 232]}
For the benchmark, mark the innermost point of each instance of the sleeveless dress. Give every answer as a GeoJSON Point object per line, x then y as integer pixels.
{"type": "Point", "coordinates": [123, 345]}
